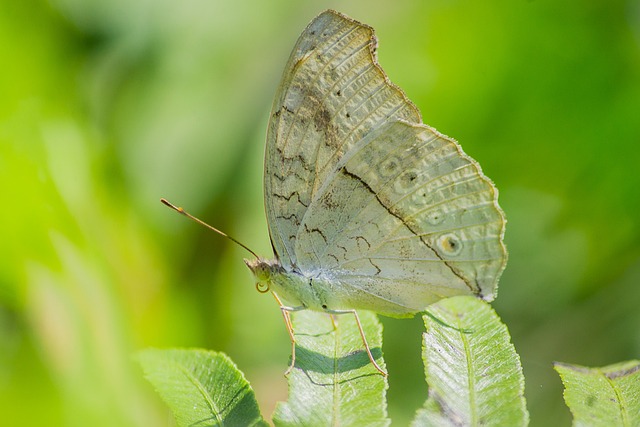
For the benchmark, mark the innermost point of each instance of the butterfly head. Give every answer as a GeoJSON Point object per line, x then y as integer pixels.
{"type": "Point", "coordinates": [264, 270]}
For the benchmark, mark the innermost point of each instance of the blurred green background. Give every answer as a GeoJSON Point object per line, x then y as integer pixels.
{"type": "Point", "coordinates": [108, 105]}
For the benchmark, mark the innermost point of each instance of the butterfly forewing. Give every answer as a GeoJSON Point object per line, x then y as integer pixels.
{"type": "Point", "coordinates": [332, 94]}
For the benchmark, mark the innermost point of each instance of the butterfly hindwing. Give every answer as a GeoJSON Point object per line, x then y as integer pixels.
{"type": "Point", "coordinates": [407, 217]}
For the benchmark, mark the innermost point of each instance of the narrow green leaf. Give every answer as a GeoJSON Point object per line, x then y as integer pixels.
{"type": "Point", "coordinates": [608, 396]}
{"type": "Point", "coordinates": [472, 369]}
{"type": "Point", "coordinates": [333, 381]}
{"type": "Point", "coordinates": [202, 388]}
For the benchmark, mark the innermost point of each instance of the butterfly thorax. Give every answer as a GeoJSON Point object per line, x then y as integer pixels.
{"type": "Point", "coordinates": [296, 288]}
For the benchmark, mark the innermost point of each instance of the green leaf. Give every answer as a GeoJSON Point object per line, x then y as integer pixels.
{"type": "Point", "coordinates": [608, 396]}
{"type": "Point", "coordinates": [202, 388]}
{"type": "Point", "coordinates": [472, 369]}
{"type": "Point", "coordinates": [333, 381]}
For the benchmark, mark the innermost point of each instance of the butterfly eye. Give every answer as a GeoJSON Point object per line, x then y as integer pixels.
{"type": "Point", "coordinates": [450, 245]}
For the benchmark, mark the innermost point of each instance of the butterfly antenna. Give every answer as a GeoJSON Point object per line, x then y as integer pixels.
{"type": "Point", "coordinates": [199, 221]}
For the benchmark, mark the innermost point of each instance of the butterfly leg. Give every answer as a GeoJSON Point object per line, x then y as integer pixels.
{"type": "Point", "coordinates": [334, 321]}
{"type": "Point", "coordinates": [364, 339]}
{"type": "Point", "coordinates": [287, 321]}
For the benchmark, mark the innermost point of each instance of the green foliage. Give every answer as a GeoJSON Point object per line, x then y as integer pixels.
{"type": "Point", "coordinates": [203, 388]}
{"type": "Point", "coordinates": [472, 369]}
{"type": "Point", "coordinates": [333, 381]}
{"type": "Point", "coordinates": [473, 373]}
{"type": "Point", "coordinates": [608, 396]}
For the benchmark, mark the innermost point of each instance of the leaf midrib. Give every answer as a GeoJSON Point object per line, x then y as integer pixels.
{"type": "Point", "coordinates": [203, 391]}
{"type": "Point", "coordinates": [621, 406]}
{"type": "Point", "coordinates": [335, 421]}
{"type": "Point", "coordinates": [471, 379]}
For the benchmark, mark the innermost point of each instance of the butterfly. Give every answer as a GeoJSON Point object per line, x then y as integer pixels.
{"type": "Point", "coordinates": [367, 207]}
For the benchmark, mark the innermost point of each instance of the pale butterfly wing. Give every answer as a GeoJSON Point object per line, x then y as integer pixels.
{"type": "Point", "coordinates": [359, 190]}
{"type": "Point", "coordinates": [332, 94]}
{"type": "Point", "coordinates": [418, 222]}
